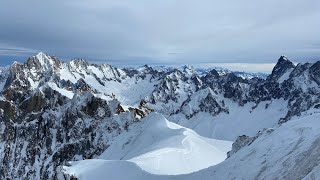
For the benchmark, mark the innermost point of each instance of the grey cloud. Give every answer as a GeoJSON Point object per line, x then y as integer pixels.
{"type": "Point", "coordinates": [127, 32]}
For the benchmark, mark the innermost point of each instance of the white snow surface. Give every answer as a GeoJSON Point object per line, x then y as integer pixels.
{"type": "Point", "coordinates": [161, 147]}
{"type": "Point", "coordinates": [129, 91]}
{"type": "Point", "coordinates": [64, 92]}
{"type": "Point", "coordinates": [239, 121]}
{"type": "Point", "coordinates": [291, 151]}
{"type": "Point", "coordinates": [285, 76]}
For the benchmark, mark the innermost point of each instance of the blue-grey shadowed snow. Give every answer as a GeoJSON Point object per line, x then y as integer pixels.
{"type": "Point", "coordinates": [163, 32]}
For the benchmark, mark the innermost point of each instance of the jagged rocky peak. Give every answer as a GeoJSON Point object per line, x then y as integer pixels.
{"type": "Point", "coordinates": [43, 61]}
{"type": "Point", "coordinates": [79, 63]}
{"type": "Point", "coordinates": [16, 67]}
{"type": "Point", "coordinates": [188, 69]}
{"type": "Point", "coordinates": [146, 68]}
{"type": "Point", "coordinates": [22, 76]}
{"type": "Point", "coordinates": [176, 74]}
{"type": "Point", "coordinates": [213, 74]}
{"type": "Point", "coordinates": [315, 72]}
{"type": "Point", "coordinates": [211, 77]}
{"type": "Point", "coordinates": [16, 77]}
{"type": "Point", "coordinates": [107, 68]}
{"type": "Point", "coordinates": [284, 60]}
{"type": "Point", "coordinates": [282, 66]}
{"type": "Point", "coordinates": [231, 77]}
{"type": "Point", "coordinates": [300, 69]}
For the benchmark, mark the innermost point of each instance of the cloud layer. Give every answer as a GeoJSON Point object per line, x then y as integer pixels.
{"type": "Point", "coordinates": [167, 32]}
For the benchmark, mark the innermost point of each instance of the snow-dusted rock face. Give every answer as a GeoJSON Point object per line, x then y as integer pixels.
{"type": "Point", "coordinates": [4, 72]}
{"type": "Point", "coordinates": [48, 130]}
{"type": "Point", "coordinates": [283, 66]}
{"type": "Point", "coordinates": [241, 142]}
{"type": "Point", "coordinates": [50, 115]}
{"type": "Point", "coordinates": [52, 112]}
{"type": "Point", "coordinates": [222, 71]}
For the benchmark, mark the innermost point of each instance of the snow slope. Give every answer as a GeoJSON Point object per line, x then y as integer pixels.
{"type": "Point", "coordinates": [239, 121]}
{"type": "Point", "coordinates": [291, 151]}
{"type": "Point", "coordinates": [163, 147]}
{"type": "Point", "coordinates": [129, 91]}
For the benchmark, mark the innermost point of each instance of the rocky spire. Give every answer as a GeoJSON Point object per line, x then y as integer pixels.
{"type": "Point", "coordinates": [282, 66]}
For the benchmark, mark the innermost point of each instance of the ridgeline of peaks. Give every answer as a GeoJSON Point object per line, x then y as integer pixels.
{"type": "Point", "coordinates": [53, 112]}
{"type": "Point", "coordinates": [43, 71]}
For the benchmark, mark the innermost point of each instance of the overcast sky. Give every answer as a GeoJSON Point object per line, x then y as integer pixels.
{"type": "Point", "coordinates": [163, 31]}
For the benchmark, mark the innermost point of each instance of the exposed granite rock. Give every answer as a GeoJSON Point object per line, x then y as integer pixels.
{"type": "Point", "coordinates": [282, 66]}
{"type": "Point", "coordinates": [240, 143]}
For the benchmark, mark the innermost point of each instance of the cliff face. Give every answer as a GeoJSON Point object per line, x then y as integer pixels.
{"type": "Point", "coordinates": [47, 121]}
{"type": "Point", "coordinates": [51, 133]}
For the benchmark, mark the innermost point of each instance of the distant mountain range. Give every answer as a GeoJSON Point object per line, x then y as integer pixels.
{"type": "Point", "coordinates": [203, 71]}
{"type": "Point", "coordinates": [79, 120]}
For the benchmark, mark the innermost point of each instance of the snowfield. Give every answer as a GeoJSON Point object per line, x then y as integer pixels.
{"type": "Point", "coordinates": [161, 147]}
{"type": "Point", "coordinates": [294, 145]}
{"type": "Point", "coordinates": [239, 121]}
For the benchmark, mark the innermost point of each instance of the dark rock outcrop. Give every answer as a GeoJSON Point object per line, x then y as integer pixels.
{"type": "Point", "coordinates": [280, 68]}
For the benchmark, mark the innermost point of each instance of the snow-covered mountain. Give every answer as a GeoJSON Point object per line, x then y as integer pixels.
{"type": "Point", "coordinates": [200, 71]}
{"type": "Point", "coordinates": [222, 71]}
{"type": "Point", "coordinates": [154, 122]}
{"type": "Point", "coordinates": [290, 151]}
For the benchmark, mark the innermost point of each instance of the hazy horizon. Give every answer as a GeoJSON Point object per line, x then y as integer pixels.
{"type": "Point", "coordinates": [242, 67]}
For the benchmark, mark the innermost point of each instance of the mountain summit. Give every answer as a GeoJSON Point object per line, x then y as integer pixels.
{"type": "Point", "coordinates": [283, 65]}
{"type": "Point", "coordinates": [54, 112]}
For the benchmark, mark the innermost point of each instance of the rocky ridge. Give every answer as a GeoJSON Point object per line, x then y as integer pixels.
{"type": "Point", "coordinates": [54, 112]}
